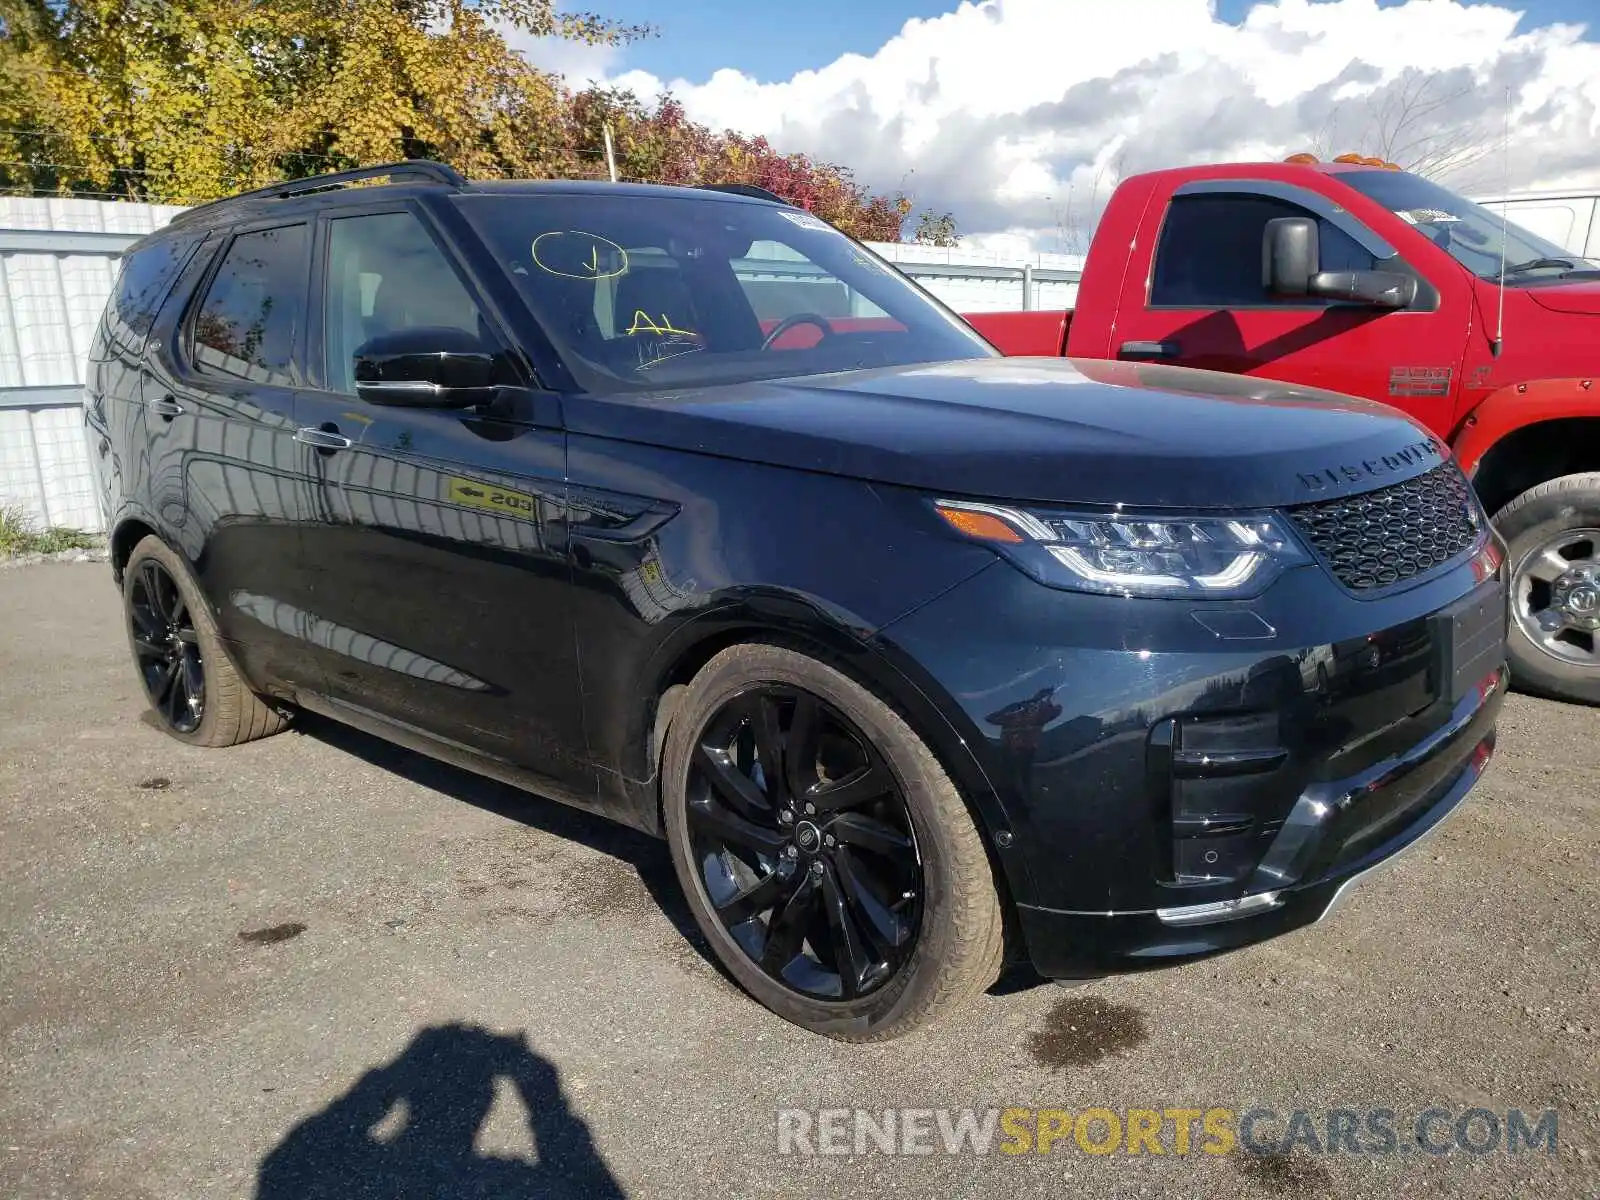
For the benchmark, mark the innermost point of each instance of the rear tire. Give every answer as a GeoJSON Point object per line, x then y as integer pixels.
{"type": "Point", "coordinates": [956, 948]}
{"type": "Point", "coordinates": [193, 689]}
{"type": "Point", "coordinates": [1554, 518]}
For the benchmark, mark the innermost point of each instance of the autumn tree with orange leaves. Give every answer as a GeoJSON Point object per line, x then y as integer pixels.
{"type": "Point", "coordinates": [183, 101]}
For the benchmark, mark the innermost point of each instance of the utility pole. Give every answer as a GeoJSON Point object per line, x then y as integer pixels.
{"type": "Point", "coordinates": [611, 154]}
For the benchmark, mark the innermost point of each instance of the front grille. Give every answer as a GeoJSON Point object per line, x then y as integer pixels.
{"type": "Point", "coordinates": [1382, 537]}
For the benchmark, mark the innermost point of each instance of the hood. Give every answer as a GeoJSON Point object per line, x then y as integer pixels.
{"type": "Point", "coordinates": [1567, 298]}
{"type": "Point", "coordinates": [1040, 429]}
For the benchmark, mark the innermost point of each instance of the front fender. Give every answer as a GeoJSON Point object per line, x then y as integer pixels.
{"type": "Point", "coordinates": [1517, 406]}
{"type": "Point", "coordinates": [749, 553]}
{"type": "Point", "coordinates": [871, 659]}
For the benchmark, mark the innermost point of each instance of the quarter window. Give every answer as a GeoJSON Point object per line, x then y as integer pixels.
{"type": "Point", "coordinates": [384, 274]}
{"type": "Point", "coordinates": [143, 281]}
{"type": "Point", "coordinates": [253, 311]}
{"type": "Point", "coordinates": [1209, 255]}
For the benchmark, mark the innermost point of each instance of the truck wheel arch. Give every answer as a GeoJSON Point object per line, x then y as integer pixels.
{"type": "Point", "coordinates": [1528, 433]}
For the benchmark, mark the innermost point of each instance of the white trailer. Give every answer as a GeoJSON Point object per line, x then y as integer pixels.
{"type": "Point", "coordinates": [1571, 219]}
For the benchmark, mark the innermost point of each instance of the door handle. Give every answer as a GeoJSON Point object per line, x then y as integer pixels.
{"type": "Point", "coordinates": [1150, 350]}
{"type": "Point", "coordinates": [166, 407]}
{"type": "Point", "coordinates": [325, 437]}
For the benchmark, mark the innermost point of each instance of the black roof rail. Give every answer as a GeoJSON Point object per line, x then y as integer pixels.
{"type": "Point", "coordinates": [411, 168]}
{"type": "Point", "coordinates": [746, 189]}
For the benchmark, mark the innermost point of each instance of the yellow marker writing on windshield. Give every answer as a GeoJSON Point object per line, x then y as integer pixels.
{"type": "Point", "coordinates": [643, 323]}
{"type": "Point", "coordinates": [560, 252]}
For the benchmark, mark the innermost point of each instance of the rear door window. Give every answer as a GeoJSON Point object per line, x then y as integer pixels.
{"type": "Point", "coordinates": [253, 314]}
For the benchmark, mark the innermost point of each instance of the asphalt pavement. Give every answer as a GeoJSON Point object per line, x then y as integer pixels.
{"type": "Point", "coordinates": [321, 966]}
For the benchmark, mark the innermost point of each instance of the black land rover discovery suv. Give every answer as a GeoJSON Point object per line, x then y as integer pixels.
{"type": "Point", "coordinates": [680, 506]}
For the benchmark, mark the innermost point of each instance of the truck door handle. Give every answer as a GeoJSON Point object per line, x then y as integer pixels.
{"type": "Point", "coordinates": [166, 408]}
{"type": "Point", "coordinates": [1149, 350]}
{"type": "Point", "coordinates": [325, 437]}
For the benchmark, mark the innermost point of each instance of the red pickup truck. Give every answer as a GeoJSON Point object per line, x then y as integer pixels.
{"type": "Point", "coordinates": [1374, 282]}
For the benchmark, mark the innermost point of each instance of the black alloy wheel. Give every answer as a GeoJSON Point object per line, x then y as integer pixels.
{"type": "Point", "coordinates": [804, 844]}
{"type": "Point", "coordinates": [166, 647]}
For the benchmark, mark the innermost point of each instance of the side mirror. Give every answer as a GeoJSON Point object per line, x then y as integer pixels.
{"type": "Point", "coordinates": [425, 367]}
{"type": "Point", "coordinates": [1381, 289]}
{"type": "Point", "coordinates": [1291, 265]}
{"type": "Point", "coordinates": [1291, 253]}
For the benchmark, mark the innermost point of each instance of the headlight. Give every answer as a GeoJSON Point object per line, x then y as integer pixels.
{"type": "Point", "coordinates": [1232, 557]}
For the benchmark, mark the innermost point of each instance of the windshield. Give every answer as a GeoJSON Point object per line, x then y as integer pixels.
{"type": "Point", "coordinates": [1470, 232]}
{"type": "Point", "coordinates": [641, 291]}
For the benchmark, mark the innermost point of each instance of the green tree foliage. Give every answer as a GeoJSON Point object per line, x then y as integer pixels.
{"type": "Point", "coordinates": [183, 101]}
{"type": "Point", "coordinates": [935, 229]}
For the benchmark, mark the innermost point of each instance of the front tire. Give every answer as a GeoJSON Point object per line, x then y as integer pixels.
{"type": "Point", "coordinates": [193, 689]}
{"type": "Point", "coordinates": [830, 862]}
{"type": "Point", "coordinates": [1552, 535]}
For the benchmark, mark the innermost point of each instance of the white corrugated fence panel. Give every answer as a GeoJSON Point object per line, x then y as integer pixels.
{"type": "Point", "coordinates": [1049, 294]}
{"type": "Point", "coordinates": [58, 438]}
{"type": "Point", "coordinates": [45, 468]}
{"type": "Point", "coordinates": [50, 302]}
{"type": "Point", "coordinates": [39, 308]}
{"type": "Point", "coordinates": [83, 216]}
{"type": "Point", "coordinates": [964, 291]}
{"type": "Point", "coordinates": [20, 482]}
{"type": "Point", "coordinates": [85, 283]}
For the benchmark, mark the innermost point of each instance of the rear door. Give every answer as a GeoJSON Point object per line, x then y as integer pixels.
{"type": "Point", "coordinates": [219, 399]}
{"type": "Point", "coordinates": [1195, 297]}
{"type": "Point", "coordinates": [441, 585]}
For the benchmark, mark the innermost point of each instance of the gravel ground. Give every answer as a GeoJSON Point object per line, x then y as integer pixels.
{"type": "Point", "coordinates": [319, 966]}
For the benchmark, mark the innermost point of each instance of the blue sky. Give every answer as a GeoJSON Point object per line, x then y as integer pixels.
{"type": "Point", "coordinates": [771, 42]}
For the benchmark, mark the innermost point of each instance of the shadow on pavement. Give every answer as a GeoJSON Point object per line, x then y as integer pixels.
{"type": "Point", "coordinates": [647, 855]}
{"type": "Point", "coordinates": [407, 1129]}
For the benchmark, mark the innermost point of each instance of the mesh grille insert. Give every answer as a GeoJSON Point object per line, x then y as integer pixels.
{"type": "Point", "coordinates": [1380, 538]}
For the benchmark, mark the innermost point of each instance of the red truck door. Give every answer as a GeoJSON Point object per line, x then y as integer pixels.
{"type": "Point", "coordinates": [1195, 296]}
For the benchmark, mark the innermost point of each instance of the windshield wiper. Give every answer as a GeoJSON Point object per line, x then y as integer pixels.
{"type": "Point", "coordinates": [1537, 264]}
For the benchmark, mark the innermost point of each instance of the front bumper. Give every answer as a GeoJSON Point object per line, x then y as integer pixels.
{"type": "Point", "coordinates": [1169, 790]}
{"type": "Point", "coordinates": [1427, 785]}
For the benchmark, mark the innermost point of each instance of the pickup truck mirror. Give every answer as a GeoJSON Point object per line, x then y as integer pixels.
{"type": "Point", "coordinates": [1291, 265]}
{"type": "Point", "coordinates": [1290, 255]}
{"type": "Point", "coordinates": [1381, 289]}
{"type": "Point", "coordinates": [425, 367]}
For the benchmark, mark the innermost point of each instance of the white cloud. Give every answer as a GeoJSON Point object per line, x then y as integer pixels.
{"type": "Point", "coordinates": [580, 64]}
{"type": "Point", "coordinates": [1008, 111]}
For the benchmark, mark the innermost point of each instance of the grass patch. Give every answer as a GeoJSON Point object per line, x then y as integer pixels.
{"type": "Point", "coordinates": [18, 536]}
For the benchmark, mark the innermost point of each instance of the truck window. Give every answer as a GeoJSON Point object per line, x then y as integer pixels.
{"type": "Point", "coordinates": [247, 324]}
{"type": "Point", "coordinates": [1209, 255]}
{"type": "Point", "coordinates": [1468, 232]}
